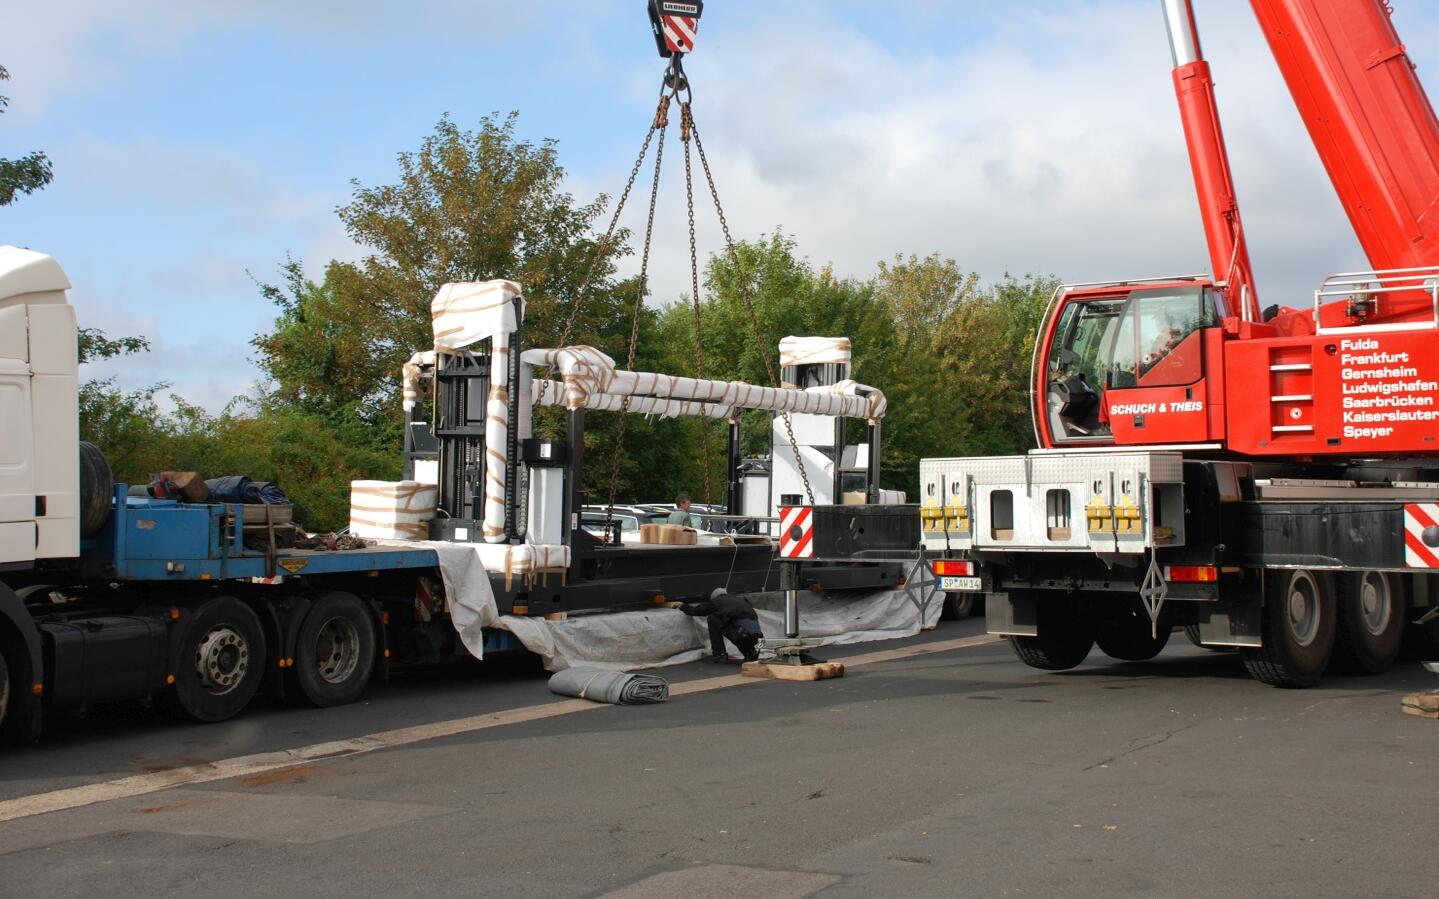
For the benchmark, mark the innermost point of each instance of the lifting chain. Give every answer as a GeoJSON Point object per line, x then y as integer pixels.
{"type": "Point", "coordinates": [686, 128]}
{"type": "Point", "coordinates": [675, 84]}
{"type": "Point", "coordinates": [759, 334]}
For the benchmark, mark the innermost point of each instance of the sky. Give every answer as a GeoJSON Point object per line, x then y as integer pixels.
{"type": "Point", "coordinates": [196, 146]}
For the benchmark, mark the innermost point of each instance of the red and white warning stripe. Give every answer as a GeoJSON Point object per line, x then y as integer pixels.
{"type": "Point", "coordinates": [796, 532]}
{"type": "Point", "coordinates": [1418, 518]}
{"type": "Point", "coordinates": [679, 32]}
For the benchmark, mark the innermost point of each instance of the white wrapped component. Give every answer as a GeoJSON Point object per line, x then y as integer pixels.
{"type": "Point", "coordinates": [553, 393]}
{"type": "Point", "coordinates": [813, 351]}
{"type": "Point", "coordinates": [392, 510]}
{"type": "Point", "coordinates": [527, 561]}
{"type": "Point", "coordinates": [587, 371]}
{"type": "Point", "coordinates": [497, 426]}
{"type": "Point", "coordinates": [465, 312]}
{"type": "Point", "coordinates": [410, 377]}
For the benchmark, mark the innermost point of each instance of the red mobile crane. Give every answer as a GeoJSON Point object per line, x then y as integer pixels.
{"type": "Point", "coordinates": [1268, 479]}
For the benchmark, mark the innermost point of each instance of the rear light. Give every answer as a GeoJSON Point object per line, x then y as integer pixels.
{"type": "Point", "coordinates": [1192, 574]}
{"type": "Point", "coordinates": [952, 567]}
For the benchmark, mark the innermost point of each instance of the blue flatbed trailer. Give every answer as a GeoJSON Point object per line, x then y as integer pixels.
{"type": "Point", "coordinates": [170, 601]}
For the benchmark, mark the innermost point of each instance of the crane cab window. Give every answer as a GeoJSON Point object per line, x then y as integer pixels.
{"type": "Point", "coordinates": [1149, 338]}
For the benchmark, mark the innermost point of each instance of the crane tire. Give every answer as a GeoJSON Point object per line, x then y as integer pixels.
{"type": "Point", "coordinates": [221, 661]}
{"type": "Point", "coordinates": [1128, 637]}
{"type": "Point", "coordinates": [1370, 624]}
{"type": "Point", "coordinates": [1065, 635]}
{"type": "Point", "coordinates": [1298, 625]}
{"type": "Point", "coordinates": [335, 650]}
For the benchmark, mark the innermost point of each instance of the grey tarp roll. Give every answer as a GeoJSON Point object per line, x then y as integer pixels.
{"type": "Point", "coordinates": [610, 686]}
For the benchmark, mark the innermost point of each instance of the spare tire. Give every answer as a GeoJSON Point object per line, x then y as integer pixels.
{"type": "Point", "coordinates": [96, 486]}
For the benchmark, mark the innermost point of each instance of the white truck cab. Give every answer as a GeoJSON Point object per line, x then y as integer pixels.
{"type": "Point", "coordinates": [39, 426]}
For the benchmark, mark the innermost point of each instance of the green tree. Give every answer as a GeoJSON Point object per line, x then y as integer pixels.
{"type": "Point", "coordinates": [25, 175]}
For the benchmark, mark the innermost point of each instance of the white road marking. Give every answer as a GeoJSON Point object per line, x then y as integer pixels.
{"type": "Point", "coordinates": [262, 762]}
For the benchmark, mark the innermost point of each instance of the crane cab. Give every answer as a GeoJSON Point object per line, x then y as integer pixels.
{"type": "Point", "coordinates": [1126, 364]}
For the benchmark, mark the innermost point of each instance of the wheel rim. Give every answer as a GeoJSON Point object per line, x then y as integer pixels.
{"type": "Point", "coordinates": [1303, 607]}
{"type": "Point", "coordinates": [1376, 603]}
{"type": "Point", "coordinates": [337, 650]}
{"type": "Point", "coordinates": [222, 659]}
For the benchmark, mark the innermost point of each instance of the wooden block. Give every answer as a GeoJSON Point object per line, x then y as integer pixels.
{"type": "Point", "coordinates": [781, 671]}
{"type": "Point", "coordinates": [556, 616]}
{"type": "Point", "coordinates": [1426, 702]}
{"type": "Point", "coordinates": [192, 487]}
{"type": "Point", "coordinates": [1420, 713]}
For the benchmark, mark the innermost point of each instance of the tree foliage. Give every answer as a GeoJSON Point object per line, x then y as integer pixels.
{"type": "Point", "coordinates": [26, 174]}
{"type": "Point", "coordinates": [950, 351]}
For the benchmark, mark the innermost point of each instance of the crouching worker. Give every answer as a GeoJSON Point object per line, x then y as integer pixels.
{"type": "Point", "coordinates": [728, 617]}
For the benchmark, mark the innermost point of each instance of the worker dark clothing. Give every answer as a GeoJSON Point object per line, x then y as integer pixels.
{"type": "Point", "coordinates": [732, 618]}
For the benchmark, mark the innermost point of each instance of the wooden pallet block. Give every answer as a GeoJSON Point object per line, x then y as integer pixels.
{"type": "Point", "coordinates": [1422, 705]}
{"type": "Point", "coordinates": [781, 671]}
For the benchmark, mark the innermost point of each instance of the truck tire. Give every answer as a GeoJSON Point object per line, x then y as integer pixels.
{"type": "Point", "coordinates": [1298, 629]}
{"type": "Point", "coordinates": [4, 690]}
{"type": "Point", "coordinates": [335, 650]}
{"type": "Point", "coordinates": [96, 489]}
{"type": "Point", "coordinates": [221, 661]}
{"type": "Point", "coordinates": [1066, 635]}
{"type": "Point", "coordinates": [1128, 637]}
{"type": "Point", "coordinates": [1370, 624]}
{"type": "Point", "coordinates": [958, 606]}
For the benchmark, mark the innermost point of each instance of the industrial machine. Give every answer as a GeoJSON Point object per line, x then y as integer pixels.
{"type": "Point", "coordinates": [1266, 477]}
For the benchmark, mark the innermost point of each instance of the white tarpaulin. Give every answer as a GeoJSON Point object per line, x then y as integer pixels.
{"type": "Point", "coordinates": [467, 312]}
{"type": "Point", "coordinates": [651, 638]}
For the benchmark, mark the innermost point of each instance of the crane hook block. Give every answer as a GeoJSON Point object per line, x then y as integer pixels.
{"type": "Point", "coordinates": [675, 23]}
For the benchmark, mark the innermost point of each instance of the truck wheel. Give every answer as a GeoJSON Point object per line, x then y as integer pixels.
{"type": "Point", "coordinates": [1066, 635]}
{"type": "Point", "coordinates": [1298, 630]}
{"type": "Point", "coordinates": [1128, 637]}
{"type": "Point", "coordinates": [335, 652]}
{"type": "Point", "coordinates": [221, 661]}
{"type": "Point", "coordinates": [1370, 625]}
{"type": "Point", "coordinates": [958, 606]}
{"type": "Point", "coordinates": [4, 690]}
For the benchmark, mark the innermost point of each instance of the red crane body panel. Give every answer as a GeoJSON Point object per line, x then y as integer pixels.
{"type": "Point", "coordinates": [1368, 117]}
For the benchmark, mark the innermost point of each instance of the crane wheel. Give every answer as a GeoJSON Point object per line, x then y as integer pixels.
{"type": "Point", "coordinates": [1297, 631]}
{"type": "Point", "coordinates": [221, 661]}
{"type": "Point", "coordinates": [1065, 635]}
{"type": "Point", "coordinates": [335, 650]}
{"type": "Point", "coordinates": [1129, 637]}
{"type": "Point", "coordinates": [1370, 623]}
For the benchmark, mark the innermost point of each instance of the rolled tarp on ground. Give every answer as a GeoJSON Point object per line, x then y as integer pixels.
{"type": "Point", "coordinates": [616, 687]}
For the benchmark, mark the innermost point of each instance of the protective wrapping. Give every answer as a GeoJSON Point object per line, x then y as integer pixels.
{"type": "Point", "coordinates": [588, 372]}
{"type": "Point", "coordinates": [410, 377]}
{"type": "Point", "coordinates": [497, 427]}
{"type": "Point", "coordinates": [813, 351]}
{"type": "Point", "coordinates": [466, 312]}
{"type": "Point", "coordinates": [392, 510]}
{"type": "Point", "coordinates": [616, 687]}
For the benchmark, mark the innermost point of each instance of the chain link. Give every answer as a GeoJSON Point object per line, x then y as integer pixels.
{"type": "Point", "coordinates": [686, 126]}
{"type": "Point", "coordinates": [656, 124]}
{"type": "Point", "coordinates": [759, 335]}
{"type": "Point", "coordinates": [662, 122]}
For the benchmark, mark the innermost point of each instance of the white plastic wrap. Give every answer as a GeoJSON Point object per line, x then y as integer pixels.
{"type": "Point", "coordinates": [588, 372]}
{"type": "Point", "coordinates": [392, 510]}
{"type": "Point", "coordinates": [497, 426]}
{"type": "Point", "coordinates": [465, 312]}
{"type": "Point", "coordinates": [813, 351]}
{"type": "Point", "coordinates": [410, 377]}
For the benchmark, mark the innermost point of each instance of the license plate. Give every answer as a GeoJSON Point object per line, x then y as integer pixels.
{"type": "Point", "coordinates": [951, 584]}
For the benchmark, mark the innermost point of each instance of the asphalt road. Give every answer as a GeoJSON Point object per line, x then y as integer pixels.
{"type": "Point", "coordinates": [942, 773]}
